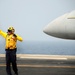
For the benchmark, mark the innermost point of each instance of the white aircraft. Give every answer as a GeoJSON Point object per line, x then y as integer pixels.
{"type": "Point", "coordinates": [62, 27]}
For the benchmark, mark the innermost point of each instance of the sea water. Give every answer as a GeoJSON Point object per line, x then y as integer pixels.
{"type": "Point", "coordinates": [44, 47]}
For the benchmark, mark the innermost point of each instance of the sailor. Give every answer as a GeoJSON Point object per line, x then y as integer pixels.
{"type": "Point", "coordinates": [10, 48]}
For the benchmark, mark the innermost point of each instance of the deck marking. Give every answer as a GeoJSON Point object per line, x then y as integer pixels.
{"type": "Point", "coordinates": [40, 66]}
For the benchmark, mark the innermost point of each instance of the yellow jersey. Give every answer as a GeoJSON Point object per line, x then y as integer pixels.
{"type": "Point", "coordinates": [11, 40]}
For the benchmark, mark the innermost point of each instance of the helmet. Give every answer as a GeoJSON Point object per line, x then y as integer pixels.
{"type": "Point", "coordinates": [11, 29]}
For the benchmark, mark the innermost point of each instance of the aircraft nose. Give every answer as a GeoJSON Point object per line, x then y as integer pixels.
{"type": "Point", "coordinates": [51, 30]}
{"type": "Point", "coordinates": [62, 27]}
{"type": "Point", "coordinates": [48, 30]}
{"type": "Point", "coordinates": [55, 30]}
{"type": "Point", "coordinates": [56, 27]}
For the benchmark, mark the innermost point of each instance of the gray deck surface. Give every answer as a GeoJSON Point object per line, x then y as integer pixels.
{"type": "Point", "coordinates": [31, 66]}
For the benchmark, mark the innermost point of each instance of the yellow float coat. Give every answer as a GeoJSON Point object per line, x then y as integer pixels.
{"type": "Point", "coordinates": [11, 40]}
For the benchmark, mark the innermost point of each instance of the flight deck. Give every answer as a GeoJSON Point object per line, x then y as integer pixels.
{"type": "Point", "coordinates": [34, 64]}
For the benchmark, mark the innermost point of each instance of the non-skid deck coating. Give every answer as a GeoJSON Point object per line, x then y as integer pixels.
{"type": "Point", "coordinates": [41, 65]}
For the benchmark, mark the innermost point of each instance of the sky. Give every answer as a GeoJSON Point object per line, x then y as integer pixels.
{"type": "Point", "coordinates": [29, 17]}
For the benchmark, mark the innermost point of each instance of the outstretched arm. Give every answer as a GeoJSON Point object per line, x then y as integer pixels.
{"type": "Point", "coordinates": [3, 33]}
{"type": "Point", "coordinates": [19, 38]}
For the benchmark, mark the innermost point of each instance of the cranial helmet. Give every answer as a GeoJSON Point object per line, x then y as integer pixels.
{"type": "Point", "coordinates": [11, 29]}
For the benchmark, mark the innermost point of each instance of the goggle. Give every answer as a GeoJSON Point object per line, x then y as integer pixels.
{"type": "Point", "coordinates": [9, 30]}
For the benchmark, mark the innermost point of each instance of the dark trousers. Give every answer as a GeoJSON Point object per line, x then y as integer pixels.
{"type": "Point", "coordinates": [11, 59]}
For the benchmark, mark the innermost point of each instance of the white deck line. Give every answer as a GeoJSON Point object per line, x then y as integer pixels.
{"type": "Point", "coordinates": [40, 66]}
{"type": "Point", "coordinates": [41, 56]}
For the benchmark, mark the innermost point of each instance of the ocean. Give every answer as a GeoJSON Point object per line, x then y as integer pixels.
{"type": "Point", "coordinates": [43, 47]}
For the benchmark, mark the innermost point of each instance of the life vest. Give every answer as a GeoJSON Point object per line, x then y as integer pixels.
{"type": "Point", "coordinates": [11, 41]}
